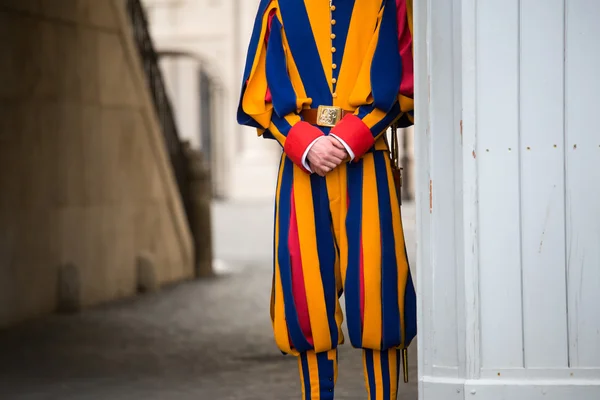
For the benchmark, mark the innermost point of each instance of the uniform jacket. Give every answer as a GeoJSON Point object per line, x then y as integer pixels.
{"type": "Point", "coordinates": [355, 54]}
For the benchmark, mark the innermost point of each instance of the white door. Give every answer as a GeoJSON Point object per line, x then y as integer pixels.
{"type": "Point", "coordinates": [508, 187]}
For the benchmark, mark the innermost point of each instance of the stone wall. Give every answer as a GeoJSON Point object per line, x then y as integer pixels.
{"type": "Point", "coordinates": [84, 176]}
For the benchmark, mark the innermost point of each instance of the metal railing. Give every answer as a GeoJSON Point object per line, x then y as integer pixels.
{"type": "Point", "coordinates": [164, 110]}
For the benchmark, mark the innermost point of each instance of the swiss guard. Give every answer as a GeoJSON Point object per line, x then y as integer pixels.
{"type": "Point", "coordinates": [326, 79]}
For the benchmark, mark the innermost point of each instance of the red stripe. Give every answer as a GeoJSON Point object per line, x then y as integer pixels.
{"type": "Point", "coordinates": [405, 48]}
{"type": "Point", "coordinates": [298, 286]}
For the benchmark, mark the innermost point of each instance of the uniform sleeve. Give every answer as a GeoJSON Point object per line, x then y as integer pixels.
{"type": "Point", "coordinates": [267, 101]}
{"type": "Point", "coordinates": [384, 90]}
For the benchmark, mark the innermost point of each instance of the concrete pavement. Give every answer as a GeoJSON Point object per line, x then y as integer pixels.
{"type": "Point", "coordinates": [204, 340]}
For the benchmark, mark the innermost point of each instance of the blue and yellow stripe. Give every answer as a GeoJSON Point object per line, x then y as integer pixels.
{"type": "Point", "coordinates": [318, 374]}
{"type": "Point", "coordinates": [381, 371]}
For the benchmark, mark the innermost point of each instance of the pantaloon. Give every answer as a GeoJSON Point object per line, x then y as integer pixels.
{"type": "Point", "coordinates": [341, 233]}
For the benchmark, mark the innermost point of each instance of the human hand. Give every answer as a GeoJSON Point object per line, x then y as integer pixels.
{"type": "Point", "coordinates": [325, 155]}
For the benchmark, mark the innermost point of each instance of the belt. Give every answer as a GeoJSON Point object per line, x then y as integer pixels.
{"type": "Point", "coordinates": [327, 116]}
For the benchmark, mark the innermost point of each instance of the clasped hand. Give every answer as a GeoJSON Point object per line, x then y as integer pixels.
{"type": "Point", "coordinates": [326, 154]}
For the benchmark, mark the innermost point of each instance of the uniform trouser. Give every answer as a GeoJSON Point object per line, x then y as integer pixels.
{"type": "Point", "coordinates": [333, 235]}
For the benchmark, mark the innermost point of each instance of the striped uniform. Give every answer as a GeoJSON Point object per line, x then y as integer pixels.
{"type": "Point", "coordinates": [341, 233]}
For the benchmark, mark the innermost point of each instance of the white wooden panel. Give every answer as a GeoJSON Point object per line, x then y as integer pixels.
{"type": "Point", "coordinates": [422, 178]}
{"type": "Point", "coordinates": [458, 186]}
{"type": "Point", "coordinates": [532, 390]}
{"type": "Point", "coordinates": [452, 390]}
{"type": "Point", "coordinates": [498, 168]}
{"type": "Point", "coordinates": [542, 184]}
{"type": "Point", "coordinates": [553, 374]}
{"type": "Point", "coordinates": [443, 245]}
{"type": "Point", "coordinates": [583, 180]}
{"type": "Point", "coordinates": [472, 322]}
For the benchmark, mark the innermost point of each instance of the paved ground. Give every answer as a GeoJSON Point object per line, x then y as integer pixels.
{"type": "Point", "coordinates": [199, 340]}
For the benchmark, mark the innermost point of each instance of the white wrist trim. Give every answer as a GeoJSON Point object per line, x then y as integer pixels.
{"type": "Point", "coordinates": [304, 162]}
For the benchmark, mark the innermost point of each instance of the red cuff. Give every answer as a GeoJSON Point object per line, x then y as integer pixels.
{"type": "Point", "coordinates": [298, 139]}
{"type": "Point", "coordinates": [355, 133]}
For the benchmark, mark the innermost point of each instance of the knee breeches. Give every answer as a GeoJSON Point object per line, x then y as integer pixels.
{"type": "Point", "coordinates": [340, 234]}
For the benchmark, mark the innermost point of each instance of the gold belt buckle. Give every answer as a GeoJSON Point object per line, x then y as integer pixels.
{"type": "Point", "coordinates": [328, 116]}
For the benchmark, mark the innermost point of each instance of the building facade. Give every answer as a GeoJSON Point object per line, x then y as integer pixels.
{"type": "Point", "coordinates": [203, 45]}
